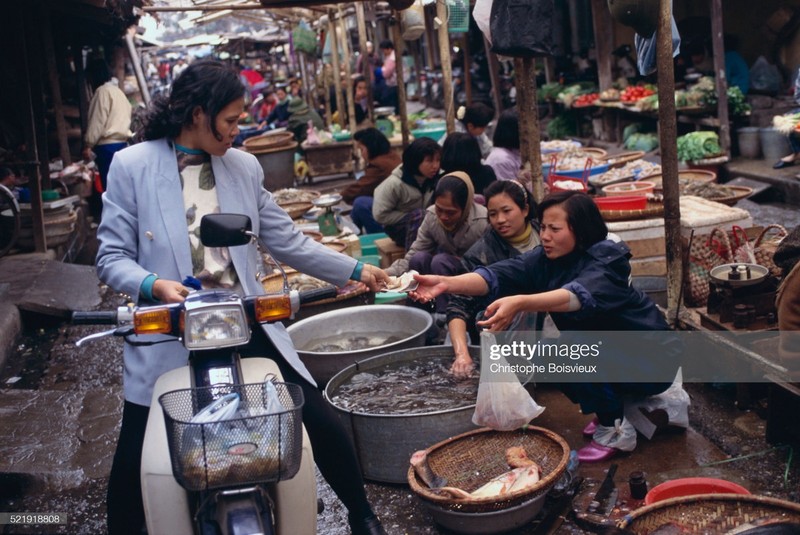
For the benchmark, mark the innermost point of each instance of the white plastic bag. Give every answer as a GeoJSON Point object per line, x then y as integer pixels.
{"type": "Point", "coordinates": [674, 400]}
{"type": "Point", "coordinates": [622, 436]}
{"type": "Point", "coordinates": [764, 76]}
{"type": "Point", "coordinates": [482, 13]}
{"type": "Point", "coordinates": [503, 403]}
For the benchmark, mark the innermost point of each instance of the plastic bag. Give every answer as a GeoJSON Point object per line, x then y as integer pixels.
{"type": "Point", "coordinates": [522, 28]}
{"type": "Point", "coordinates": [622, 436]}
{"type": "Point", "coordinates": [765, 76]}
{"type": "Point", "coordinates": [482, 13]}
{"type": "Point", "coordinates": [674, 400]}
{"type": "Point", "coordinates": [503, 403]}
{"type": "Point", "coordinates": [646, 53]}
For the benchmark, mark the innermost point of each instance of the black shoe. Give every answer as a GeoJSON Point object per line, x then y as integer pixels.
{"type": "Point", "coordinates": [367, 526]}
{"type": "Point", "coordinates": [780, 164]}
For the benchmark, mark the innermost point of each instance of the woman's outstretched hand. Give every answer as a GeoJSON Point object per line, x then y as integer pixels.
{"type": "Point", "coordinates": [375, 278]}
{"type": "Point", "coordinates": [500, 314]}
{"type": "Point", "coordinates": [430, 287]}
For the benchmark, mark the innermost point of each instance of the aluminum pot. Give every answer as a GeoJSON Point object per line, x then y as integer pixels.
{"type": "Point", "coordinates": [385, 442]}
{"type": "Point", "coordinates": [366, 320]}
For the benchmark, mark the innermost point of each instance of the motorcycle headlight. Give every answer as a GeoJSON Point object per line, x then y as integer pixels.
{"type": "Point", "coordinates": [215, 325]}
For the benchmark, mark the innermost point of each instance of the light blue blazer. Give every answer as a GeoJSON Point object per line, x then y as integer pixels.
{"type": "Point", "coordinates": [143, 231]}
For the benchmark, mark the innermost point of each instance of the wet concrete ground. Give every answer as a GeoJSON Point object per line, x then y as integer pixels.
{"type": "Point", "coordinates": [60, 418]}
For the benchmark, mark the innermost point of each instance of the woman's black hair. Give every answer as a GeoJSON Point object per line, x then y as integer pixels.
{"type": "Point", "coordinates": [583, 216]}
{"type": "Point", "coordinates": [506, 133]}
{"type": "Point", "coordinates": [386, 44]}
{"type": "Point", "coordinates": [98, 72]}
{"type": "Point", "coordinates": [461, 152]}
{"type": "Point", "coordinates": [518, 193]}
{"type": "Point", "coordinates": [416, 153]}
{"type": "Point", "coordinates": [210, 84]}
{"type": "Point", "coordinates": [5, 172]}
{"type": "Point", "coordinates": [478, 114]}
{"type": "Point", "coordinates": [455, 187]}
{"type": "Point", "coordinates": [374, 140]}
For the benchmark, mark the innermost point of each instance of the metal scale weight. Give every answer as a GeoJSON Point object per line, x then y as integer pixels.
{"type": "Point", "coordinates": [327, 218]}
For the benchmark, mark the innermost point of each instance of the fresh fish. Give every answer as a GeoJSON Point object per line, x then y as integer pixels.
{"type": "Point", "coordinates": [512, 481]}
{"type": "Point", "coordinates": [517, 457]}
{"type": "Point", "coordinates": [670, 528]}
{"type": "Point", "coordinates": [419, 460]}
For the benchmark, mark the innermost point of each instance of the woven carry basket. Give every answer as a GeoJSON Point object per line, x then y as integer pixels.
{"type": "Point", "coordinates": [705, 253]}
{"type": "Point", "coordinates": [709, 513]}
{"type": "Point", "coordinates": [471, 459]}
{"type": "Point", "coordinates": [765, 250]}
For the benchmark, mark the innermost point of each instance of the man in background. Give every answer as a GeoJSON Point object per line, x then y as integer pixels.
{"type": "Point", "coordinates": [108, 127]}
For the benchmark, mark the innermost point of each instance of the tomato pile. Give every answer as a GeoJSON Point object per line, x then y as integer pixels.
{"type": "Point", "coordinates": [585, 100]}
{"type": "Point", "coordinates": [633, 93]}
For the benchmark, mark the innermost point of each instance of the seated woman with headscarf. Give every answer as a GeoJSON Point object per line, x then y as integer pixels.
{"type": "Point", "coordinates": [450, 227]}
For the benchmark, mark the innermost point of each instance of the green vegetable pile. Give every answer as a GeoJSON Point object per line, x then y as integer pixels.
{"type": "Point", "coordinates": [549, 91]}
{"type": "Point", "coordinates": [698, 145]}
{"type": "Point", "coordinates": [562, 126]}
{"type": "Point", "coordinates": [705, 94]}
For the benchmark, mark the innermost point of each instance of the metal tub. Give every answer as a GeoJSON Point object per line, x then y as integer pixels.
{"type": "Point", "coordinates": [365, 319]}
{"type": "Point", "coordinates": [384, 443]}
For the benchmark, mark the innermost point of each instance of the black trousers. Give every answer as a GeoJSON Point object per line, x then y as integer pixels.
{"type": "Point", "coordinates": [334, 453]}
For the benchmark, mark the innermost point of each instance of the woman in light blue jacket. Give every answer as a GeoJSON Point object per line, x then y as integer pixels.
{"type": "Point", "coordinates": [157, 193]}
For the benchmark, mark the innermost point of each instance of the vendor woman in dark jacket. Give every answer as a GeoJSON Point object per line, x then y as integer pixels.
{"type": "Point", "coordinates": [511, 209]}
{"type": "Point", "coordinates": [581, 279]}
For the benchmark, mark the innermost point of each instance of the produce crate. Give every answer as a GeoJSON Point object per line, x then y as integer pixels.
{"type": "Point", "coordinates": [330, 159]}
{"type": "Point", "coordinates": [389, 251]}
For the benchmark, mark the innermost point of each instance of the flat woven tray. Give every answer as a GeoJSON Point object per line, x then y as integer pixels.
{"type": "Point", "coordinates": [274, 284]}
{"type": "Point", "coordinates": [742, 192]}
{"type": "Point", "coordinates": [296, 209]}
{"type": "Point", "coordinates": [653, 209]}
{"type": "Point", "coordinates": [471, 459]}
{"type": "Point", "coordinates": [709, 513]}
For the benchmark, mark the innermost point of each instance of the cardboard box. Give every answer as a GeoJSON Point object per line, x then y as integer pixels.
{"type": "Point", "coordinates": [389, 251]}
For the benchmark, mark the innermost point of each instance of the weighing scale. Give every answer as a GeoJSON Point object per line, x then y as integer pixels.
{"type": "Point", "coordinates": [327, 219]}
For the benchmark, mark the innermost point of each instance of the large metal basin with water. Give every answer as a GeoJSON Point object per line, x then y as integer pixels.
{"type": "Point", "coordinates": [384, 442]}
{"type": "Point", "coordinates": [406, 325]}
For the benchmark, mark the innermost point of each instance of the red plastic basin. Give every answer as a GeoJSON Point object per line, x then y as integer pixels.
{"type": "Point", "coordinates": [621, 202]}
{"type": "Point", "coordinates": [691, 486]}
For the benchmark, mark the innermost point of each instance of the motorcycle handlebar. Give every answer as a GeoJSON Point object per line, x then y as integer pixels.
{"type": "Point", "coordinates": [95, 317]}
{"type": "Point", "coordinates": [318, 294]}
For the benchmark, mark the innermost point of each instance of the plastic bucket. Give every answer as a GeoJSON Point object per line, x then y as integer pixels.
{"type": "Point", "coordinates": [692, 486]}
{"type": "Point", "coordinates": [774, 145]}
{"type": "Point", "coordinates": [749, 142]}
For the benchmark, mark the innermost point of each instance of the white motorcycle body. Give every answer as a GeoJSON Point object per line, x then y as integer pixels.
{"type": "Point", "coordinates": [166, 503]}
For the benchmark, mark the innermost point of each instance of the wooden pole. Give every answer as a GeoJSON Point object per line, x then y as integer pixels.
{"type": "Point", "coordinates": [603, 41]}
{"type": "Point", "coordinates": [337, 79]}
{"type": "Point", "coordinates": [351, 107]}
{"type": "Point", "coordinates": [326, 87]}
{"type": "Point", "coordinates": [399, 47]}
{"type": "Point", "coordinates": [494, 76]}
{"type": "Point", "coordinates": [529, 124]}
{"type": "Point", "coordinates": [467, 73]}
{"type": "Point", "coordinates": [137, 66]}
{"type": "Point", "coordinates": [718, 46]}
{"type": "Point", "coordinates": [522, 109]}
{"type": "Point", "coordinates": [669, 155]}
{"type": "Point", "coordinates": [430, 41]}
{"type": "Point", "coordinates": [447, 68]}
{"type": "Point", "coordinates": [361, 22]}
{"type": "Point", "coordinates": [55, 86]}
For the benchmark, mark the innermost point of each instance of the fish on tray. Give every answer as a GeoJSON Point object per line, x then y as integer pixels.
{"type": "Point", "coordinates": [766, 526]}
{"type": "Point", "coordinates": [525, 474]}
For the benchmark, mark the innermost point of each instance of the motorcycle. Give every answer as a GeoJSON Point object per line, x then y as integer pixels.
{"type": "Point", "coordinates": [227, 454]}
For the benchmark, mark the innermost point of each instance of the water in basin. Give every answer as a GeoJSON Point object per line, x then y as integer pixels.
{"type": "Point", "coordinates": [353, 341]}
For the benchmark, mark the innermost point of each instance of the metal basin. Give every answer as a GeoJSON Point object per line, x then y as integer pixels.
{"type": "Point", "coordinates": [384, 443]}
{"type": "Point", "coordinates": [365, 320]}
{"type": "Point", "coordinates": [489, 522]}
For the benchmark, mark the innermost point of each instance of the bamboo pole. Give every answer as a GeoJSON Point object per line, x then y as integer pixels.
{"type": "Point", "coordinates": [447, 67]}
{"type": "Point", "coordinates": [494, 76]}
{"type": "Point", "coordinates": [361, 22]}
{"type": "Point", "coordinates": [326, 87]}
{"type": "Point", "coordinates": [337, 79]}
{"type": "Point", "coordinates": [467, 73]}
{"type": "Point", "coordinates": [351, 108]}
{"type": "Point", "coordinates": [137, 66]}
{"type": "Point", "coordinates": [669, 155]}
{"type": "Point", "coordinates": [399, 47]}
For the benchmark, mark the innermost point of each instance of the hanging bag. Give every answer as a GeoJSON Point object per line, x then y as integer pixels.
{"type": "Point", "coordinates": [705, 253]}
{"type": "Point", "coordinates": [764, 250]}
{"type": "Point", "coordinates": [522, 28]}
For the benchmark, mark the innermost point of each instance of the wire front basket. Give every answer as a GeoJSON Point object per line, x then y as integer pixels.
{"type": "Point", "coordinates": [458, 18]}
{"type": "Point", "coordinates": [260, 443]}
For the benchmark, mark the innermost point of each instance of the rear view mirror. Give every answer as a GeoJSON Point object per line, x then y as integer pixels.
{"type": "Point", "coordinates": [225, 230]}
